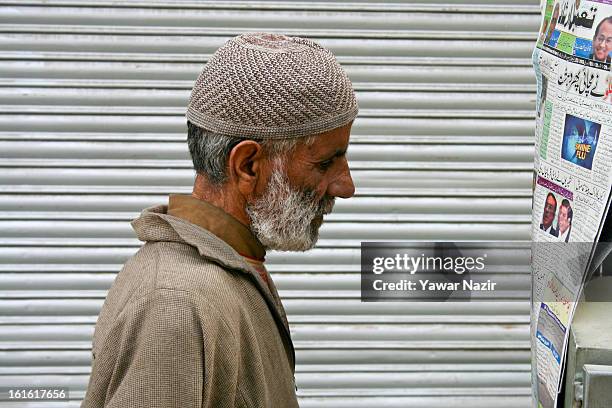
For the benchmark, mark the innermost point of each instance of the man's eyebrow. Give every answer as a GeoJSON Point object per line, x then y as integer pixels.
{"type": "Point", "coordinates": [337, 153]}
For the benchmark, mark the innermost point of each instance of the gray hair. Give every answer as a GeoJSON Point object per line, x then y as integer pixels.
{"type": "Point", "coordinates": [210, 150]}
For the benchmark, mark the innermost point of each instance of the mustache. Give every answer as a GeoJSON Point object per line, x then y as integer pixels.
{"type": "Point", "coordinates": [324, 206]}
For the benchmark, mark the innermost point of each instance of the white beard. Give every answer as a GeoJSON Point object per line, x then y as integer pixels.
{"type": "Point", "coordinates": [286, 219]}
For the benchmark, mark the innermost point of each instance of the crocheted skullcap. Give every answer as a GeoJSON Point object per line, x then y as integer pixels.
{"type": "Point", "coordinates": [271, 86]}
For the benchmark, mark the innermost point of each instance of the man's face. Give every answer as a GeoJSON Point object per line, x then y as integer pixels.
{"type": "Point", "coordinates": [562, 219]}
{"type": "Point", "coordinates": [602, 42]}
{"type": "Point", "coordinates": [555, 17]}
{"type": "Point", "coordinates": [549, 211]}
{"type": "Point", "coordinates": [301, 188]}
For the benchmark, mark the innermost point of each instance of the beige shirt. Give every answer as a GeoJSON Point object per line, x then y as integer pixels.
{"type": "Point", "coordinates": [189, 323]}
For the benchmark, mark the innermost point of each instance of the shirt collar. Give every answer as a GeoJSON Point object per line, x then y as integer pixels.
{"type": "Point", "coordinates": [218, 222]}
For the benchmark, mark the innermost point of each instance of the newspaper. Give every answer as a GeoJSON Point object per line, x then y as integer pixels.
{"type": "Point", "coordinates": [572, 173]}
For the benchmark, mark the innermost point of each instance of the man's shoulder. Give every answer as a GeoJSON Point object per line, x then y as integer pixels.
{"type": "Point", "coordinates": [174, 265]}
{"type": "Point", "coordinates": [179, 267]}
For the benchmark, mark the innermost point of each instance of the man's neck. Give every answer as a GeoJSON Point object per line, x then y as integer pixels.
{"type": "Point", "coordinates": [233, 204]}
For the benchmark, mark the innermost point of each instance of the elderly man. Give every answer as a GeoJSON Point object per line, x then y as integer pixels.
{"type": "Point", "coordinates": [193, 319]}
{"type": "Point", "coordinates": [602, 41]}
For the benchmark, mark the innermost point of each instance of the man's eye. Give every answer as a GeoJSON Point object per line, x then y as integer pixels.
{"type": "Point", "coordinates": [326, 164]}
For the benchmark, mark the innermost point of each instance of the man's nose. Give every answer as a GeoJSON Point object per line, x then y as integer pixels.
{"type": "Point", "coordinates": [342, 186]}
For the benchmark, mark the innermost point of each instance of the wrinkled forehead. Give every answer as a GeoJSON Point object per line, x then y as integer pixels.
{"type": "Point", "coordinates": [605, 28]}
{"type": "Point", "coordinates": [335, 141]}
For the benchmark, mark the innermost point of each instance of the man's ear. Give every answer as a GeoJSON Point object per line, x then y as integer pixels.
{"type": "Point", "coordinates": [246, 162]}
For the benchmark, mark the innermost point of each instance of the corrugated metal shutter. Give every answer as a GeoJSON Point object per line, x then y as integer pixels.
{"type": "Point", "coordinates": [92, 96]}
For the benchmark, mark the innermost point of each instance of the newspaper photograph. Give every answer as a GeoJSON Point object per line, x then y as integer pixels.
{"type": "Point", "coordinates": [572, 173]}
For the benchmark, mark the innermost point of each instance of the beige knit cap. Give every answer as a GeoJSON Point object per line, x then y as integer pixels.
{"type": "Point", "coordinates": [270, 86]}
